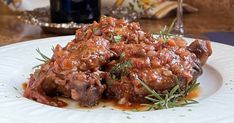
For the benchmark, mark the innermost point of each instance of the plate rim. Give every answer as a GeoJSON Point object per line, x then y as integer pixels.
{"type": "Point", "coordinates": [44, 40]}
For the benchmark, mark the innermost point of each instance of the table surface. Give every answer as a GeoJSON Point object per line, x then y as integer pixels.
{"type": "Point", "coordinates": [12, 30]}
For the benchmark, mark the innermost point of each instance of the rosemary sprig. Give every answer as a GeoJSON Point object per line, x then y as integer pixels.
{"type": "Point", "coordinates": [165, 33]}
{"type": "Point", "coordinates": [176, 97]}
{"type": "Point", "coordinates": [44, 58]}
{"type": "Point", "coordinates": [191, 87]}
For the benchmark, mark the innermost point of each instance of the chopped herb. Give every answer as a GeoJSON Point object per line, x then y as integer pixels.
{"type": "Point", "coordinates": [126, 112]}
{"type": "Point", "coordinates": [97, 31]}
{"type": "Point", "coordinates": [17, 96]}
{"type": "Point", "coordinates": [120, 69]}
{"type": "Point", "coordinates": [52, 48]}
{"type": "Point", "coordinates": [189, 109]}
{"type": "Point", "coordinates": [128, 117]}
{"type": "Point", "coordinates": [15, 88]}
{"type": "Point", "coordinates": [122, 55]}
{"type": "Point", "coordinates": [117, 38]}
{"type": "Point", "coordinates": [135, 110]}
{"type": "Point", "coordinates": [175, 98]}
{"type": "Point", "coordinates": [110, 81]}
{"type": "Point", "coordinates": [114, 77]}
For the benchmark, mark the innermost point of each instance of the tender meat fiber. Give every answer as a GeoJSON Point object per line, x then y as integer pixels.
{"type": "Point", "coordinates": [107, 59]}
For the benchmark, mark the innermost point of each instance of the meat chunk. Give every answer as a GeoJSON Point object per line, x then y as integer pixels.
{"type": "Point", "coordinates": [72, 72]}
{"type": "Point", "coordinates": [109, 58]}
{"type": "Point", "coordinates": [202, 49]}
{"type": "Point", "coordinates": [159, 67]}
{"type": "Point", "coordinates": [87, 88]}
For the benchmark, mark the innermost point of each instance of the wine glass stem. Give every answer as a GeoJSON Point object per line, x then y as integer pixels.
{"type": "Point", "coordinates": [179, 28]}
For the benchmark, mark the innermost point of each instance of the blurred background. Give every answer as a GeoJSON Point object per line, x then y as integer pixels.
{"type": "Point", "coordinates": [205, 19]}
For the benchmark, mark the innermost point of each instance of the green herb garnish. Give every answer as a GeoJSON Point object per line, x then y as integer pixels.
{"type": "Point", "coordinates": [120, 69]}
{"type": "Point", "coordinates": [165, 33]}
{"type": "Point", "coordinates": [122, 55]}
{"type": "Point", "coordinates": [128, 117]}
{"type": "Point", "coordinates": [135, 110]}
{"type": "Point", "coordinates": [117, 38]}
{"type": "Point", "coordinates": [43, 58]}
{"type": "Point", "coordinates": [110, 81]}
{"type": "Point", "coordinates": [175, 98]}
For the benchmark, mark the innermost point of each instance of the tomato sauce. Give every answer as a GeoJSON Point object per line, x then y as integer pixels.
{"type": "Point", "coordinates": [113, 103]}
{"type": "Point", "coordinates": [194, 93]}
{"type": "Point", "coordinates": [24, 86]}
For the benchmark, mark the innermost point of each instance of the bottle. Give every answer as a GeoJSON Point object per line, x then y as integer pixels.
{"type": "Point", "coordinates": [79, 11]}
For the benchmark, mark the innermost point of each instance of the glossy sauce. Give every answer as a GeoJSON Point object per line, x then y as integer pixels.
{"type": "Point", "coordinates": [112, 59]}
{"type": "Point", "coordinates": [124, 107]}
{"type": "Point", "coordinates": [135, 106]}
{"type": "Point", "coordinates": [113, 103]}
{"type": "Point", "coordinates": [194, 93]}
{"type": "Point", "coordinates": [24, 86]}
{"type": "Point", "coordinates": [138, 107]}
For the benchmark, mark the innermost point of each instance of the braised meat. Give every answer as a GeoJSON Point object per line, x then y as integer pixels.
{"type": "Point", "coordinates": [107, 60]}
{"type": "Point", "coordinates": [72, 72]}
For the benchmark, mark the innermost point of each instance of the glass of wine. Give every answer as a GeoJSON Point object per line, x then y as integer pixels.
{"type": "Point", "coordinates": [179, 28]}
{"type": "Point", "coordinates": [79, 11]}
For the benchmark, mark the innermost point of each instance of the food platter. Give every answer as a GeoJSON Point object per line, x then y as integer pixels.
{"type": "Point", "coordinates": [215, 99]}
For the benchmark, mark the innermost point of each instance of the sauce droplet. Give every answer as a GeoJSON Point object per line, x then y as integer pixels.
{"type": "Point", "coordinates": [24, 86]}
{"type": "Point", "coordinates": [194, 93]}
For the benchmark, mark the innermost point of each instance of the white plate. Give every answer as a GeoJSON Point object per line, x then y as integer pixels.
{"type": "Point", "coordinates": [16, 62]}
